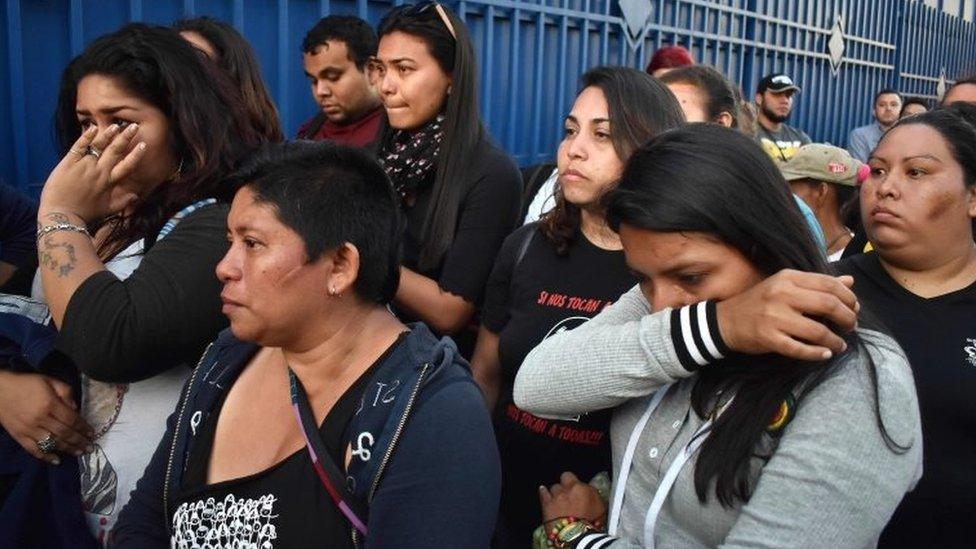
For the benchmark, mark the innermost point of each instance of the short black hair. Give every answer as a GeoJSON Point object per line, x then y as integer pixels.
{"type": "Point", "coordinates": [886, 91]}
{"type": "Point", "coordinates": [333, 194]}
{"type": "Point", "coordinates": [914, 100]}
{"type": "Point", "coordinates": [359, 37]}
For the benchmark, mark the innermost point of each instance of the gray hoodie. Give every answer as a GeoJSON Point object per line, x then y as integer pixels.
{"type": "Point", "coordinates": [829, 480]}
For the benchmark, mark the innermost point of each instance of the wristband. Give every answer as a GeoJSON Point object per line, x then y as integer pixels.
{"type": "Point", "coordinates": [48, 229]}
{"type": "Point", "coordinates": [695, 335]}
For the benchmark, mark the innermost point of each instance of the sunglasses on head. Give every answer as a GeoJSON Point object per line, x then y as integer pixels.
{"type": "Point", "coordinates": [418, 9]}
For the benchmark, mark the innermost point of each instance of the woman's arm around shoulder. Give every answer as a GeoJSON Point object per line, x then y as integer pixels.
{"type": "Point", "coordinates": [628, 352]}
{"type": "Point", "coordinates": [834, 481]}
{"type": "Point", "coordinates": [443, 483]}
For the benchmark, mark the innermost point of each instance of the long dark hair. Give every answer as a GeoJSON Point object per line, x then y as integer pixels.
{"type": "Point", "coordinates": [207, 125]}
{"type": "Point", "coordinates": [639, 108]}
{"type": "Point", "coordinates": [720, 94]}
{"type": "Point", "coordinates": [236, 57]}
{"type": "Point", "coordinates": [709, 179]}
{"type": "Point", "coordinates": [463, 129]}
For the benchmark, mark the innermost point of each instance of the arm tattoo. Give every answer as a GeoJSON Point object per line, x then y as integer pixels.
{"type": "Point", "coordinates": [57, 256]}
{"type": "Point", "coordinates": [56, 217]}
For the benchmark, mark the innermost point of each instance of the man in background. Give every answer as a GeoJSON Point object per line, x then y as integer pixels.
{"type": "Point", "coordinates": [335, 56]}
{"type": "Point", "coordinates": [863, 140]}
{"type": "Point", "coordinates": [774, 101]}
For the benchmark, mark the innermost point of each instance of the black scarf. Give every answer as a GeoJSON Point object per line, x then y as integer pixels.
{"type": "Point", "coordinates": [410, 156]}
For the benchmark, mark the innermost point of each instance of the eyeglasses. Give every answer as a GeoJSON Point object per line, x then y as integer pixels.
{"type": "Point", "coordinates": [417, 9]}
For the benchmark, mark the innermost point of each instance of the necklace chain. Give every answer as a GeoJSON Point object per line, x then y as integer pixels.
{"type": "Point", "coordinates": [120, 391]}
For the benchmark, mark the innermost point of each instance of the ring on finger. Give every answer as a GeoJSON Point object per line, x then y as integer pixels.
{"type": "Point", "coordinates": [94, 152]}
{"type": "Point", "coordinates": [47, 444]}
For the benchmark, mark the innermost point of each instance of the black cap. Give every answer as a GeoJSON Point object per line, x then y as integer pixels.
{"type": "Point", "coordinates": [777, 82]}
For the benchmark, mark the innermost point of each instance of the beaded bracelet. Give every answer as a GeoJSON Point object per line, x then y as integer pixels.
{"type": "Point", "coordinates": [48, 229]}
{"type": "Point", "coordinates": [569, 534]}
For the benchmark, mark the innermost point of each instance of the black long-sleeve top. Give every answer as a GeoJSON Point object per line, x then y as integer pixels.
{"type": "Point", "coordinates": [164, 314]}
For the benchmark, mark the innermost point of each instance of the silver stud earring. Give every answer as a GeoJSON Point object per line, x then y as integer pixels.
{"type": "Point", "coordinates": [332, 291]}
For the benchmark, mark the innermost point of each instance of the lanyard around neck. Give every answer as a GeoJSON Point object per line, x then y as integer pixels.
{"type": "Point", "coordinates": [620, 486]}
{"type": "Point", "coordinates": [325, 467]}
{"type": "Point", "coordinates": [670, 476]}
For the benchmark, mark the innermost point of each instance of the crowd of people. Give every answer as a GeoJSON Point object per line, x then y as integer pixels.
{"type": "Point", "coordinates": [694, 328]}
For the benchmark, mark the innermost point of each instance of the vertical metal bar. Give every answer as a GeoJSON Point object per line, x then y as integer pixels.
{"type": "Point", "coordinates": [826, 17]}
{"type": "Point", "coordinates": [488, 60]}
{"type": "Point", "coordinates": [850, 78]}
{"type": "Point", "coordinates": [561, 66]}
{"type": "Point", "coordinates": [362, 10]}
{"type": "Point", "coordinates": [237, 15]}
{"type": "Point", "coordinates": [933, 60]}
{"type": "Point", "coordinates": [325, 8]}
{"type": "Point", "coordinates": [605, 37]}
{"type": "Point", "coordinates": [189, 8]}
{"type": "Point", "coordinates": [284, 56]}
{"type": "Point", "coordinates": [921, 41]}
{"type": "Point", "coordinates": [622, 46]}
{"type": "Point", "coordinates": [857, 81]}
{"type": "Point", "coordinates": [907, 35]}
{"type": "Point", "coordinates": [641, 52]}
{"type": "Point", "coordinates": [76, 28]}
{"type": "Point", "coordinates": [706, 20]}
{"type": "Point", "coordinates": [746, 76]}
{"type": "Point", "coordinates": [538, 86]}
{"type": "Point", "coordinates": [18, 99]}
{"type": "Point", "coordinates": [896, 37]}
{"type": "Point", "coordinates": [585, 36]}
{"type": "Point", "coordinates": [135, 10]}
{"type": "Point", "coordinates": [514, 64]}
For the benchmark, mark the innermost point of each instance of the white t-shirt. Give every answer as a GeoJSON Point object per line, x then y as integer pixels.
{"type": "Point", "coordinates": [110, 472]}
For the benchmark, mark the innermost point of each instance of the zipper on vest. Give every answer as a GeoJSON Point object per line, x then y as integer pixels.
{"type": "Point", "coordinates": [176, 433]}
{"type": "Point", "coordinates": [397, 433]}
{"type": "Point", "coordinates": [389, 449]}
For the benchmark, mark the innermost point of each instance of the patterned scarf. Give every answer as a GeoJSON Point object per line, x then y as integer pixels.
{"type": "Point", "coordinates": [410, 156]}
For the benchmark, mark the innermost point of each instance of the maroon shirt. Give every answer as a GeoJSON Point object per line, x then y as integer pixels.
{"type": "Point", "coordinates": [360, 133]}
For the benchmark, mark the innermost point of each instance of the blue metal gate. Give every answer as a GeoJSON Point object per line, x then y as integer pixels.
{"type": "Point", "coordinates": [531, 54]}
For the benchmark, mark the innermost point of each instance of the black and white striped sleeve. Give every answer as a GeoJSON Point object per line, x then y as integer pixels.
{"type": "Point", "coordinates": [696, 337]}
{"type": "Point", "coordinates": [596, 540]}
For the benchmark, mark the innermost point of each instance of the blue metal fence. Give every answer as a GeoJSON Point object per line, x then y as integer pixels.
{"type": "Point", "coordinates": [531, 55]}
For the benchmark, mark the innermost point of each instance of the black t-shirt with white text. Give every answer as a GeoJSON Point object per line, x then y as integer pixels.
{"type": "Point", "coordinates": [527, 301]}
{"type": "Point", "coordinates": [939, 337]}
